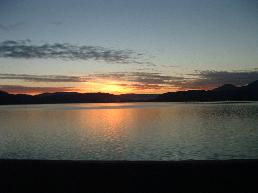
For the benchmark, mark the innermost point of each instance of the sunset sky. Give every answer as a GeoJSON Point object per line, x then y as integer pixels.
{"type": "Point", "coordinates": [126, 46]}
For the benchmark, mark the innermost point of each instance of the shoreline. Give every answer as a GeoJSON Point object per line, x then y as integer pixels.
{"type": "Point", "coordinates": [193, 102]}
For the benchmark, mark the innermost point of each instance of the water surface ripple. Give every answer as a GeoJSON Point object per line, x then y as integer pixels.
{"type": "Point", "coordinates": [130, 131]}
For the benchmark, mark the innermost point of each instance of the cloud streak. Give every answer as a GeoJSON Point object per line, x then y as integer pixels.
{"type": "Point", "coordinates": [140, 81]}
{"type": "Point", "coordinates": [17, 89]}
{"type": "Point", "coordinates": [139, 77]}
{"type": "Point", "coordinates": [44, 78]}
{"type": "Point", "coordinates": [25, 49]}
{"type": "Point", "coordinates": [11, 27]}
{"type": "Point", "coordinates": [146, 80]}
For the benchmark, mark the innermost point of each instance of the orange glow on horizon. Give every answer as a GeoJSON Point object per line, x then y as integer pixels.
{"type": "Point", "coordinates": [103, 86]}
{"type": "Point", "coordinates": [90, 88]}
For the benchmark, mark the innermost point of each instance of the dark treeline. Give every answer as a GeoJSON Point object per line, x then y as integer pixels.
{"type": "Point", "coordinates": [224, 93]}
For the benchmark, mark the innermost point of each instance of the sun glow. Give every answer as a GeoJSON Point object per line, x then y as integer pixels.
{"type": "Point", "coordinates": [112, 88]}
{"type": "Point", "coordinates": [107, 86]}
{"type": "Point", "coordinates": [120, 87]}
{"type": "Point", "coordinates": [115, 88]}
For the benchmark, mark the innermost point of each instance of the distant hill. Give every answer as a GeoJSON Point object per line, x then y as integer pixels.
{"type": "Point", "coordinates": [59, 97]}
{"type": "Point", "coordinates": [226, 87]}
{"type": "Point", "coordinates": [73, 97]}
{"type": "Point", "coordinates": [226, 92]}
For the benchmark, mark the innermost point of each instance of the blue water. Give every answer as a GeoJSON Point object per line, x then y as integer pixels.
{"type": "Point", "coordinates": [130, 131]}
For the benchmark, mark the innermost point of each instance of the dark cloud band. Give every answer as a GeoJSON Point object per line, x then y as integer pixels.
{"type": "Point", "coordinates": [44, 78]}
{"type": "Point", "coordinates": [24, 49]}
{"type": "Point", "coordinates": [205, 79]}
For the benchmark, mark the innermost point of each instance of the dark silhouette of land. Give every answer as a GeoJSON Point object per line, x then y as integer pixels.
{"type": "Point", "coordinates": [226, 92]}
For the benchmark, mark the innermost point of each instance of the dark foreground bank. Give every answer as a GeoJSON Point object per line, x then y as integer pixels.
{"type": "Point", "coordinates": [122, 176]}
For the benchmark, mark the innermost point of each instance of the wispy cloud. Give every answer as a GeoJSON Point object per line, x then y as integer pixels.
{"type": "Point", "coordinates": [43, 78]}
{"type": "Point", "coordinates": [25, 49]}
{"type": "Point", "coordinates": [11, 27]}
{"type": "Point", "coordinates": [142, 87]}
{"type": "Point", "coordinates": [139, 77]}
{"type": "Point", "coordinates": [17, 89]}
{"type": "Point", "coordinates": [145, 78]}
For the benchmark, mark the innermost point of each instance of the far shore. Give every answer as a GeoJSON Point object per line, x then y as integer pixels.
{"type": "Point", "coordinates": [184, 102]}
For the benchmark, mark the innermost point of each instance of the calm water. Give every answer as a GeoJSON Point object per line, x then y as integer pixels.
{"type": "Point", "coordinates": [130, 131]}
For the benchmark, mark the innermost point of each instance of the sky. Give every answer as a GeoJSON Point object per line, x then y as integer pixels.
{"type": "Point", "coordinates": [121, 46]}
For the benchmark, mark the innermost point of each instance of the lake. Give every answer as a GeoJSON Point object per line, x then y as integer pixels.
{"type": "Point", "coordinates": [130, 131]}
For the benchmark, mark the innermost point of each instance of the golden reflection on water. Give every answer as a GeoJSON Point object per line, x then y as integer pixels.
{"type": "Point", "coordinates": [113, 123]}
{"type": "Point", "coordinates": [107, 122]}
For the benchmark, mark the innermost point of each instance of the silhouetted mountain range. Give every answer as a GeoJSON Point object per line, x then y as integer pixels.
{"type": "Point", "coordinates": [226, 92]}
